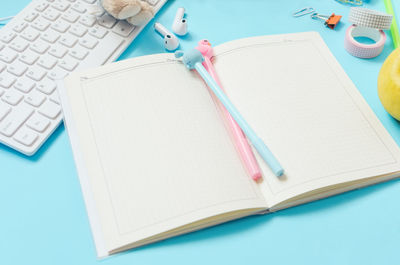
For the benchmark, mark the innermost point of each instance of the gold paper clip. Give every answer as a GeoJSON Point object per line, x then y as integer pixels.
{"type": "Point", "coordinates": [330, 21]}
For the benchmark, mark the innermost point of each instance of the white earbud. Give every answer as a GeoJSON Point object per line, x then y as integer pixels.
{"type": "Point", "coordinates": [171, 42]}
{"type": "Point", "coordinates": [179, 27]}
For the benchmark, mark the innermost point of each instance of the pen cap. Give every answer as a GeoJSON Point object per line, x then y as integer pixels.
{"type": "Point", "coordinates": [190, 58]}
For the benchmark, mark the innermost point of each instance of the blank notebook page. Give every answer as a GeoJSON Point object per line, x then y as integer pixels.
{"type": "Point", "coordinates": [164, 157]}
{"type": "Point", "coordinates": [302, 104]}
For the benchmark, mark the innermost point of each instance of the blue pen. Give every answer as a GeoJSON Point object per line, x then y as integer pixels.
{"type": "Point", "coordinates": [193, 60]}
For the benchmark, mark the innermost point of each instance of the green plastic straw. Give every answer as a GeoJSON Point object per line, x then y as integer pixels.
{"type": "Point", "coordinates": [394, 29]}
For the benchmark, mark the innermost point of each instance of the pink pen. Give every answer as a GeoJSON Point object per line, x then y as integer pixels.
{"type": "Point", "coordinates": [242, 145]}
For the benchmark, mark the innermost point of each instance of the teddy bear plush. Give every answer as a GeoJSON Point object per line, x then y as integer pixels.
{"type": "Point", "coordinates": [136, 12]}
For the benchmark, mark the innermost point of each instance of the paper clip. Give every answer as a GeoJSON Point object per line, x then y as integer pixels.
{"type": "Point", "coordinates": [303, 11]}
{"type": "Point", "coordinates": [330, 21]}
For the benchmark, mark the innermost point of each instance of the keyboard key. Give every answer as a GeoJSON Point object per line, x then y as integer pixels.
{"type": "Point", "coordinates": [7, 36]}
{"type": "Point", "coordinates": [35, 98]}
{"type": "Point", "coordinates": [90, 1]}
{"type": "Point", "coordinates": [30, 34]}
{"type": "Point", "coordinates": [102, 52]}
{"type": "Point", "coordinates": [70, 16]}
{"type": "Point", "coordinates": [24, 84]}
{"type": "Point", "coordinates": [88, 21]}
{"type": "Point", "coordinates": [17, 68]}
{"type": "Point", "coordinates": [50, 36]}
{"type": "Point", "coordinates": [40, 24]}
{"type": "Point", "coordinates": [68, 40]}
{"type": "Point", "coordinates": [79, 7]}
{"type": "Point", "coordinates": [12, 97]}
{"type": "Point", "coordinates": [123, 28]}
{"type": "Point", "coordinates": [51, 14]}
{"type": "Point", "coordinates": [31, 16]}
{"type": "Point", "coordinates": [68, 64]}
{"type": "Point", "coordinates": [4, 110]}
{"type": "Point", "coordinates": [58, 74]}
{"type": "Point", "coordinates": [2, 67]}
{"type": "Point", "coordinates": [98, 32]}
{"type": "Point", "coordinates": [20, 26]}
{"type": "Point", "coordinates": [107, 21]}
{"type": "Point", "coordinates": [36, 73]}
{"type": "Point", "coordinates": [2, 46]}
{"type": "Point", "coordinates": [39, 46]}
{"type": "Point", "coordinates": [94, 10]}
{"type": "Point", "coordinates": [47, 62]}
{"type": "Point", "coordinates": [55, 98]}
{"type": "Point", "coordinates": [78, 30]}
{"type": "Point", "coordinates": [58, 51]}
{"type": "Point", "coordinates": [41, 7]}
{"type": "Point", "coordinates": [28, 57]}
{"type": "Point", "coordinates": [60, 26]}
{"type": "Point", "coordinates": [38, 123]}
{"type": "Point", "coordinates": [61, 5]}
{"type": "Point", "coordinates": [79, 53]}
{"type": "Point", "coordinates": [88, 42]}
{"type": "Point", "coordinates": [7, 55]}
{"type": "Point", "coordinates": [19, 45]}
{"type": "Point", "coordinates": [47, 86]}
{"type": "Point", "coordinates": [6, 80]}
{"type": "Point", "coordinates": [15, 119]}
{"type": "Point", "coordinates": [50, 110]}
{"type": "Point", "coordinates": [26, 136]}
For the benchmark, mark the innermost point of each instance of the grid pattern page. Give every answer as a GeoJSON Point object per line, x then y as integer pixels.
{"type": "Point", "coordinates": [164, 157]}
{"type": "Point", "coordinates": [300, 102]}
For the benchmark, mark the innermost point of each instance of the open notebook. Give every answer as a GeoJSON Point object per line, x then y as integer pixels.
{"type": "Point", "coordinates": [155, 159]}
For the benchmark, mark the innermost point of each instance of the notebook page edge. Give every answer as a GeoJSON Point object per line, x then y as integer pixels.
{"type": "Point", "coordinates": [82, 171]}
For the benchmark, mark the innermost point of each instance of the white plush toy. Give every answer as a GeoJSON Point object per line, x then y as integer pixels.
{"type": "Point", "coordinates": [136, 12]}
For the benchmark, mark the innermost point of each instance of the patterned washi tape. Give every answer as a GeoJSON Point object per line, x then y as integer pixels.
{"type": "Point", "coordinates": [366, 23]}
{"type": "Point", "coordinates": [369, 18]}
{"type": "Point", "coordinates": [364, 50]}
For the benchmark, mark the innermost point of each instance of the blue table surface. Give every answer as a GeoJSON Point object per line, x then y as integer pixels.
{"type": "Point", "coordinates": [43, 217]}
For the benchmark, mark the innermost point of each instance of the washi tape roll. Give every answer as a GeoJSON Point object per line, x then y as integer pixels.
{"type": "Point", "coordinates": [364, 17]}
{"type": "Point", "coordinates": [361, 50]}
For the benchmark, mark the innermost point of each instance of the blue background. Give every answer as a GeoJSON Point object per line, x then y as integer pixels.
{"type": "Point", "coordinates": [43, 218]}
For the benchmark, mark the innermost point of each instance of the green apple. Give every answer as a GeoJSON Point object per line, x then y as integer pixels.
{"type": "Point", "coordinates": [389, 84]}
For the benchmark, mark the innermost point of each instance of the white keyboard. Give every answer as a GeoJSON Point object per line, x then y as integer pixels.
{"type": "Point", "coordinates": [43, 43]}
